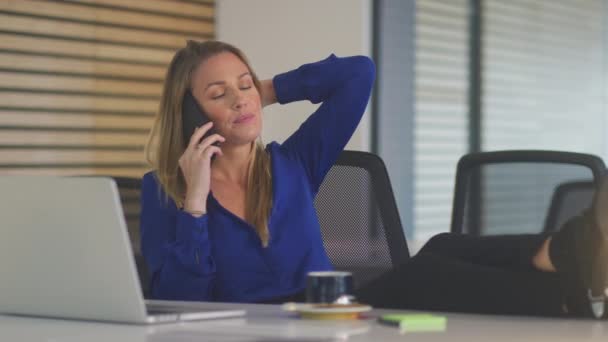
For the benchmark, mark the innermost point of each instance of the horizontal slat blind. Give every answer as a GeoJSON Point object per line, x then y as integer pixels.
{"type": "Point", "coordinates": [543, 88]}
{"type": "Point", "coordinates": [80, 80]}
{"type": "Point", "coordinates": [543, 69]}
{"type": "Point", "coordinates": [119, 15]}
{"type": "Point", "coordinates": [441, 108]}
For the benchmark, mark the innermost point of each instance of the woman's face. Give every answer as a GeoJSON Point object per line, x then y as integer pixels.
{"type": "Point", "coordinates": [223, 86]}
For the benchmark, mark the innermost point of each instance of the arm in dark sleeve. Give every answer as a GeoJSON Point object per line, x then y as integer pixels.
{"type": "Point", "coordinates": [176, 247]}
{"type": "Point", "coordinates": [343, 85]}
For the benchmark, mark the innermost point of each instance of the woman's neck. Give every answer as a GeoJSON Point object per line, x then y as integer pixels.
{"type": "Point", "coordinates": [233, 165]}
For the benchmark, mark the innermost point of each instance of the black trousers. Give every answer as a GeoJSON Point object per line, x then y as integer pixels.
{"type": "Point", "coordinates": [488, 275]}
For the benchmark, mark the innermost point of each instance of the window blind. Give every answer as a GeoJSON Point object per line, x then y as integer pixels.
{"type": "Point", "coordinates": [441, 110]}
{"type": "Point", "coordinates": [80, 80]}
{"type": "Point", "coordinates": [543, 88]}
{"type": "Point", "coordinates": [543, 75]}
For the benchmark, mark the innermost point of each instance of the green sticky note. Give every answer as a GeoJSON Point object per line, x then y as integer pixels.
{"type": "Point", "coordinates": [416, 322]}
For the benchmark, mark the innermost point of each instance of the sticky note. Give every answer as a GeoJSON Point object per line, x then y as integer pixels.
{"type": "Point", "coordinates": [416, 322]}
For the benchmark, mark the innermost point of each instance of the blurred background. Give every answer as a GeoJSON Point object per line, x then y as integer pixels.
{"type": "Point", "coordinates": [80, 80]}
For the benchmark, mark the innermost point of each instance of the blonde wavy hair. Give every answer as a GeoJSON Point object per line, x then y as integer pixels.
{"type": "Point", "coordinates": [166, 142]}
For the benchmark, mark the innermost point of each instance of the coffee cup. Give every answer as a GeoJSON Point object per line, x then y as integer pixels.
{"type": "Point", "coordinates": [328, 286]}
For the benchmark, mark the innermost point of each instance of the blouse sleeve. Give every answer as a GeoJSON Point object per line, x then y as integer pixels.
{"type": "Point", "coordinates": [343, 85]}
{"type": "Point", "coordinates": [176, 247]}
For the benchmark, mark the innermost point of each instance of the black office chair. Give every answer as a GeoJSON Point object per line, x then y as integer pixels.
{"type": "Point", "coordinates": [509, 192]}
{"type": "Point", "coordinates": [360, 224]}
{"type": "Point", "coordinates": [569, 199]}
{"type": "Point", "coordinates": [129, 189]}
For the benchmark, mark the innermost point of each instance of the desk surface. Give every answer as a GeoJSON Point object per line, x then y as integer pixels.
{"type": "Point", "coordinates": [270, 324]}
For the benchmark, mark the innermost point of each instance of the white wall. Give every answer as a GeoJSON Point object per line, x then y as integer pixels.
{"type": "Point", "coordinates": [279, 35]}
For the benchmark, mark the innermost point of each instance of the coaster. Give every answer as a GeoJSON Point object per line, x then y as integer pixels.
{"type": "Point", "coordinates": [327, 311]}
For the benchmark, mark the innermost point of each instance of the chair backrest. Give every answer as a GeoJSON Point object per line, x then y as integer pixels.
{"type": "Point", "coordinates": [360, 223]}
{"type": "Point", "coordinates": [130, 189]}
{"type": "Point", "coordinates": [569, 199]}
{"type": "Point", "coordinates": [509, 192]}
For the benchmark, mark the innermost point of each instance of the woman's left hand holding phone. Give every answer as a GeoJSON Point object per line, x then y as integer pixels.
{"type": "Point", "coordinates": [195, 164]}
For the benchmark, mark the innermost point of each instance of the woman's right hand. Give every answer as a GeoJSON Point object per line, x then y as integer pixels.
{"type": "Point", "coordinates": [195, 164]}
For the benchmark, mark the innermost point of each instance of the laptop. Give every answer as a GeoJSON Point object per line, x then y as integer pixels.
{"type": "Point", "coordinates": [65, 253]}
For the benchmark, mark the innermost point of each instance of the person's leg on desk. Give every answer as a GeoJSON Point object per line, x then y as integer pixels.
{"type": "Point", "coordinates": [522, 274]}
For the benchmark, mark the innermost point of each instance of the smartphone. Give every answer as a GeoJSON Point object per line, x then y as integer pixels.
{"type": "Point", "coordinates": [192, 117]}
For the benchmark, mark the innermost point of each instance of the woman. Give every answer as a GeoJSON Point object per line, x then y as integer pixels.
{"type": "Point", "coordinates": [226, 219]}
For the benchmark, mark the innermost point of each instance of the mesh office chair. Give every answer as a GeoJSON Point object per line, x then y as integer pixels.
{"type": "Point", "coordinates": [509, 192]}
{"type": "Point", "coordinates": [130, 189]}
{"type": "Point", "coordinates": [360, 224]}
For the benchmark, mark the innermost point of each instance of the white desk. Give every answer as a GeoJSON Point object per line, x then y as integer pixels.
{"type": "Point", "coordinates": [268, 323]}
